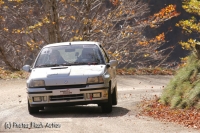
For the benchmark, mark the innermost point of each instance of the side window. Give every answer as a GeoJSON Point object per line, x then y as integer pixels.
{"type": "Point", "coordinates": [104, 55]}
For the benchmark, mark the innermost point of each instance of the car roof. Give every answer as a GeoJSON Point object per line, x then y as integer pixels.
{"type": "Point", "coordinates": [72, 43]}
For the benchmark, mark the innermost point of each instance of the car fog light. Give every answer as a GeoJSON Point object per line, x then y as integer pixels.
{"type": "Point", "coordinates": [105, 94]}
{"type": "Point", "coordinates": [45, 98]}
{"type": "Point", "coordinates": [89, 95]}
{"type": "Point", "coordinates": [37, 99]}
{"type": "Point", "coordinates": [96, 95]}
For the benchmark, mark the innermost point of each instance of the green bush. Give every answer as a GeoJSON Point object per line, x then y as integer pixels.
{"type": "Point", "coordinates": [183, 91]}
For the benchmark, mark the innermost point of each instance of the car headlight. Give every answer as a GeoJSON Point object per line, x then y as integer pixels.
{"type": "Point", "coordinates": [37, 83]}
{"type": "Point", "coordinates": [93, 80]}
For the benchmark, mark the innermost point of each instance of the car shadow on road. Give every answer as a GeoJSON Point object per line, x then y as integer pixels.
{"type": "Point", "coordinates": [79, 111]}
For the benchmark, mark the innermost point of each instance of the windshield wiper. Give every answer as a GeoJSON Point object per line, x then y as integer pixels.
{"type": "Point", "coordinates": [85, 63]}
{"type": "Point", "coordinates": [79, 63]}
{"type": "Point", "coordinates": [65, 64]}
{"type": "Point", "coordinates": [48, 65]}
{"type": "Point", "coordinates": [54, 65]}
{"type": "Point", "coordinates": [93, 63]}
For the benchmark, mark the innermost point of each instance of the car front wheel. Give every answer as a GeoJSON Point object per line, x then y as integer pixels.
{"type": "Point", "coordinates": [107, 107]}
{"type": "Point", "coordinates": [114, 96]}
{"type": "Point", "coordinates": [32, 110]}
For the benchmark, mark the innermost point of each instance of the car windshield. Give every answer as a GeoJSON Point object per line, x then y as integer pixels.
{"type": "Point", "coordinates": [66, 55]}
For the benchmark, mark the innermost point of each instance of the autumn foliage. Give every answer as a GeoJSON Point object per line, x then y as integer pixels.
{"type": "Point", "coordinates": [191, 25]}
{"type": "Point", "coordinates": [165, 14]}
{"type": "Point", "coordinates": [183, 90]}
{"type": "Point", "coordinates": [114, 2]}
{"type": "Point", "coordinates": [26, 26]}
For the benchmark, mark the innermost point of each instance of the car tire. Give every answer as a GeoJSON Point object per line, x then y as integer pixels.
{"type": "Point", "coordinates": [32, 110]}
{"type": "Point", "coordinates": [107, 107]}
{"type": "Point", "coordinates": [114, 96]}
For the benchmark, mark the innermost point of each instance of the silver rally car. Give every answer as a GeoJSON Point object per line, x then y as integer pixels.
{"type": "Point", "coordinates": [72, 73]}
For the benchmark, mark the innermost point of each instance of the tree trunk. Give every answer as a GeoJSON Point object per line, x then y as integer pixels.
{"type": "Point", "coordinates": [87, 26]}
{"type": "Point", "coordinates": [5, 60]}
{"type": "Point", "coordinates": [197, 47]}
{"type": "Point", "coordinates": [52, 14]}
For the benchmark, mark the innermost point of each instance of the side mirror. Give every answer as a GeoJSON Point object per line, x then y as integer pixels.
{"type": "Point", "coordinates": [26, 68]}
{"type": "Point", "coordinates": [112, 63]}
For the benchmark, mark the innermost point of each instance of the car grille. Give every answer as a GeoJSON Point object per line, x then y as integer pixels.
{"type": "Point", "coordinates": [65, 87]}
{"type": "Point", "coordinates": [66, 97]}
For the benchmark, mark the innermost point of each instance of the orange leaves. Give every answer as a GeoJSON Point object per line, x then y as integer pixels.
{"type": "Point", "coordinates": [97, 22]}
{"type": "Point", "coordinates": [190, 44]}
{"type": "Point", "coordinates": [30, 11]}
{"type": "Point", "coordinates": [86, 21]}
{"type": "Point", "coordinates": [2, 18]}
{"type": "Point", "coordinates": [5, 29]}
{"type": "Point", "coordinates": [18, 1]}
{"type": "Point", "coordinates": [116, 55]}
{"type": "Point", "coordinates": [191, 6]}
{"type": "Point", "coordinates": [183, 61]}
{"type": "Point", "coordinates": [163, 15]}
{"type": "Point", "coordinates": [94, 20]}
{"type": "Point", "coordinates": [165, 11]}
{"type": "Point", "coordinates": [130, 12]}
{"type": "Point", "coordinates": [77, 38]}
{"type": "Point", "coordinates": [18, 31]}
{"type": "Point", "coordinates": [187, 117]}
{"type": "Point", "coordinates": [191, 25]}
{"type": "Point", "coordinates": [118, 13]}
{"type": "Point", "coordinates": [1, 2]}
{"type": "Point", "coordinates": [73, 17]}
{"type": "Point", "coordinates": [62, 17]}
{"type": "Point", "coordinates": [158, 39]}
{"type": "Point", "coordinates": [45, 20]}
{"type": "Point", "coordinates": [63, 1]}
{"type": "Point", "coordinates": [6, 74]}
{"type": "Point", "coordinates": [97, 31]}
{"type": "Point", "coordinates": [33, 45]}
{"type": "Point", "coordinates": [129, 29]}
{"type": "Point", "coordinates": [109, 52]}
{"type": "Point", "coordinates": [31, 28]}
{"type": "Point", "coordinates": [114, 2]}
{"type": "Point", "coordinates": [146, 55]}
{"type": "Point", "coordinates": [145, 71]}
{"type": "Point", "coordinates": [144, 43]}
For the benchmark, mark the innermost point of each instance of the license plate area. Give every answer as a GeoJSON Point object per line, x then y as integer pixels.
{"type": "Point", "coordinates": [69, 91]}
{"type": "Point", "coordinates": [67, 97]}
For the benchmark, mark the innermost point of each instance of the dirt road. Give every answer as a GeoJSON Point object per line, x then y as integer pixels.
{"type": "Point", "coordinates": [14, 116]}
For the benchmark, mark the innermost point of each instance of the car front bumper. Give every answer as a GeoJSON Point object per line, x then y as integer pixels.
{"type": "Point", "coordinates": [91, 94]}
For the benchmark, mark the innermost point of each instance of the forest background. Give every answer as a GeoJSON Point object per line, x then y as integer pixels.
{"type": "Point", "coordinates": [146, 31]}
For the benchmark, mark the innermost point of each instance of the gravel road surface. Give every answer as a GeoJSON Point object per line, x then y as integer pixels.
{"type": "Point", "coordinates": [14, 116]}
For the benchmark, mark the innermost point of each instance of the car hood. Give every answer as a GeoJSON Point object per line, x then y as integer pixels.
{"type": "Point", "coordinates": [66, 75]}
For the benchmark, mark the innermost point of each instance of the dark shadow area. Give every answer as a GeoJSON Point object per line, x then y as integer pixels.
{"type": "Point", "coordinates": [79, 112]}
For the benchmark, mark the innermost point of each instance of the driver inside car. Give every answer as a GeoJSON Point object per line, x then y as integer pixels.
{"type": "Point", "coordinates": [87, 55]}
{"type": "Point", "coordinates": [56, 58]}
